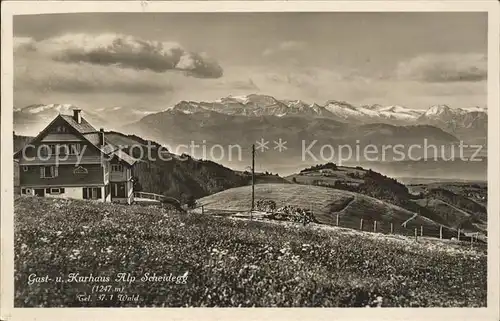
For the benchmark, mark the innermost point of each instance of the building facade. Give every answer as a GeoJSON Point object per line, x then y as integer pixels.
{"type": "Point", "coordinates": [71, 159]}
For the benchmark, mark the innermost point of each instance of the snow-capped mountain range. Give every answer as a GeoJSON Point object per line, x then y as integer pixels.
{"type": "Point", "coordinates": [263, 105]}
{"type": "Point", "coordinates": [453, 120]}
{"type": "Point", "coordinates": [32, 119]}
{"type": "Point", "coordinates": [469, 124]}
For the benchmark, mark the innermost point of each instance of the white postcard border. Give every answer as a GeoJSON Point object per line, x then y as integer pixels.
{"type": "Point", "coordinates": [7, 311]}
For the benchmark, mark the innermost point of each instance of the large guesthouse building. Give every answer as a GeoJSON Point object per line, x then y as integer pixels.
{"type": "Point", "coordinates": [71, 159]}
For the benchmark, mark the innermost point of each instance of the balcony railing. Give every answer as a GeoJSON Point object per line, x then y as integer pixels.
{"type": "Point", "coordinates": [155, 197]}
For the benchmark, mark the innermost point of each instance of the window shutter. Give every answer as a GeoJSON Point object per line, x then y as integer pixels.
{"type": "Point", "coordinates": [99, 192]}
{"type": "Point", "coordinates": [42, 172]}
{"type": "Point", "coordinates": [62, 189]}
{"type": "Point", "coordinates": [85, 196]}
{"type": "Point", "coordinates": [56, 171]}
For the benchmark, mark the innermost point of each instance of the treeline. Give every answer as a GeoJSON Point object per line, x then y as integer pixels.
{"type": "Point", "coordinates": [374, 184]}
{"type": "Point", "coordinates": [329, 165]}
{"type": "Point", "coordinates": [185, 179]}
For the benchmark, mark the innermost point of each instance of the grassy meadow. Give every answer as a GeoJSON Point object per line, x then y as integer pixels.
{"type": "Point", "coordinates": [229, 262]}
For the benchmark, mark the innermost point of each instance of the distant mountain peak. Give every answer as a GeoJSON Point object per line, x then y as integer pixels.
{"type": "Point", "coordinates": [339, 103]}
{"type": "Point", "coordinates": [394, 108]}
{"type": "Point", "coordinates": [438, 110]}
{"type": "Point", "coordinates": [475, 109]}
{"type": "Point", "coordinates": [39, 108]}
{"type": "Point", "coordinates": [373, 106]}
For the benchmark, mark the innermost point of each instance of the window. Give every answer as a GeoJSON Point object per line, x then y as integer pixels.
{"type": "Point", "coordinates": [49, 171]}
{"type": "Point", "coordinates": [56, 190]}
{"type": "Point", "coordinates": [56, 149]}
{"type": "Point", "coordinates": [61, 129]}
{"type": "Point", "coordinates": [74, 149]}
{"type": "Point", "coordinates": [53, 149]}
{"type": "Point", "coordinates": [92, 193]}
{"type": "Point", "coordinates": [48, 150]}
{"type": "Point", "coordinates": [116, 168]}
{"type": "Point", "coordinates": [25, 168]}
{"type": "Point", "coordinates": [63, 149]}
{"type": "Point", "coordinates": [45, 150]}
{"type": "Point", "coordinates": [118, 190]}
{"type": "Point", "coordinates": [27, 191]}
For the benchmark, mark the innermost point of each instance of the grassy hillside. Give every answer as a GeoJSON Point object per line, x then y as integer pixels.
{"type": "Point", "coordinates": [455, 205]}
{"type": "Point", "coordinates": [354, 179]}
{"type": "Point", "coordinates": [478, 210]}
{"type": "Point", "coordinates": [227, 262]}
{"type": "Point", "coordinates": [326, 204]}
{"type": "Point", "coordinates": [474, 190]}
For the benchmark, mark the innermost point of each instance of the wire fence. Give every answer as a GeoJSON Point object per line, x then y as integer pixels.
{"type": "Point", "coordinates": [415, 227]}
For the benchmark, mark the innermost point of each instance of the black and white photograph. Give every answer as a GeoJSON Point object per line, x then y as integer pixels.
{"type": "Point", "coordinates": [267, 159]}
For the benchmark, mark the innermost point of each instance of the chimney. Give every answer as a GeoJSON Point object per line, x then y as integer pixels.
{"type": "Point", "coordinates": [77, 115]}
{"type": "Point", "coordinates": [101, 137]}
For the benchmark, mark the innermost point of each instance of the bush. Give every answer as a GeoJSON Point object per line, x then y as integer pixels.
{"type": "Point", "coordinates": [265, 205]}
{"type": "Point", "coordinates": [294, 214]}
{"type": "Point", "coordinates": [191, 201]}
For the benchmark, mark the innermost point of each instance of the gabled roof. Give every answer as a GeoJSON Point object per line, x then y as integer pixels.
{"type": "Point", "coordinates": [125, 157]}
{"type": "Point", "coordinates": [83, 127]}
{"type": "Point", "coordinates": [108, 148]}
{"type": "Point", "coordinates": [90, 134]}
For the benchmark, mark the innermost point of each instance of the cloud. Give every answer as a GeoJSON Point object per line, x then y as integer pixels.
{"type": "Point", "coordinates": [445, 68]}
{"type": "Point", "coordinates": [52, 76]}
{"type": "Point", "coordinates": [284, 47]}
{"type": "Point", "coordinates": [23, 44]}
{"type": "Point", "coordinates": [123, 51]}
{"type": "Point", "coordinates": [78, 71]}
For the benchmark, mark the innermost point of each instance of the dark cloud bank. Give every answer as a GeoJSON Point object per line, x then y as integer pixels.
{"type": "Point", "coordinates": [125, 52]}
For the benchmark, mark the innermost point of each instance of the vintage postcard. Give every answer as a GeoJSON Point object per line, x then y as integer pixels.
{"type": "Point", "coordinates": [176, 158]}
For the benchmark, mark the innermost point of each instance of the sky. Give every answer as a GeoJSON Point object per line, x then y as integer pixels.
{"type": "Point", "coordinates": [150, 61]}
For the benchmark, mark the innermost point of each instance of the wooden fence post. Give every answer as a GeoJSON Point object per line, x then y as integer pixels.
{"type": "Point", "coordinates": [361, 224]}
{"type": "Point", "coordinates": [392, 228]}
{"type": "Point", "coordinates": [337, 219]}
{"type": "Point", "coordinates": [416, 235]}
{"type": "Point", "coordinates": [471, 240]}
{"type": "Point", "coordinates": [202, 209]}
{"type": "Point", "coordinates": [421, 230]}
{"type": "Point", "coordinates": [441, 232]}
{"type": "Point", "coordinates": [458, 234]}
{"type": "Point", "coordinates": [375, 226]}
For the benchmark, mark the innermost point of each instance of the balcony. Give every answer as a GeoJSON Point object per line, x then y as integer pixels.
{"type": "Point", "coordinates": [120, 175]}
